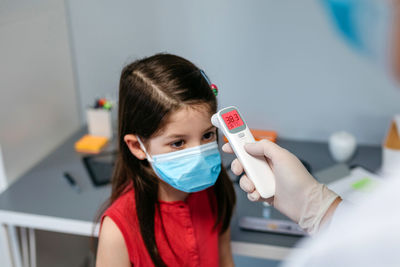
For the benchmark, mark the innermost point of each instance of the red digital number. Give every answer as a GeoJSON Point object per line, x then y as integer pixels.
{"type": "Point", "coordinates": [232, 119]}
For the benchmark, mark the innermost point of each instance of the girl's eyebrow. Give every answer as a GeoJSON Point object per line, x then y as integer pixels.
{"type": "Point", "coordinates": [209, 128]}
{"type": "Point", "coordinates": [171, 136]}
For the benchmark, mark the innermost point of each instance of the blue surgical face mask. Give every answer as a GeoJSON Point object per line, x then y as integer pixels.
{"type": "Point", "coordinates": [188, 170]}
{"type": "Point", "coordinates": [366, 25]}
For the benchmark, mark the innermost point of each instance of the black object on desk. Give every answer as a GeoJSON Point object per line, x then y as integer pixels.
{"type": "Point", "coordinates": [72, 182]}
{"type": "Point", "coordinates": [100, 167]}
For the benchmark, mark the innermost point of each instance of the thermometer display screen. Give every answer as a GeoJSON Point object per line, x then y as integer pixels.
{"type": "Point", "coordinates": [232, 119]}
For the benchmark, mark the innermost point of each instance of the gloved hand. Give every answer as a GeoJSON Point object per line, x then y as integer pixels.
{"type": "Point", "coordinates": [297, 195]}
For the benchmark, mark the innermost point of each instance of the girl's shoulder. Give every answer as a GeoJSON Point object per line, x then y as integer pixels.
{"type": "Point", "coordinates": [123, 213]}
{"type": "Point", "coordinates": [125, 203]}
{"type": "Point", "coordinates": [123, 210]}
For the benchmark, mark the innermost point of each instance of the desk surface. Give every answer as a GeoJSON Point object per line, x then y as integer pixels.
{"type": "Point", "coordinates": [43, 199]}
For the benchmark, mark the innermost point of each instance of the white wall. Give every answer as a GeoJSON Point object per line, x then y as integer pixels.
{"type": "Point", "coordinates": [38, 102]}
{"type": "Point", "coordinates": [3, 179]}
{"type": "Point", "coordinates": [280, 61]}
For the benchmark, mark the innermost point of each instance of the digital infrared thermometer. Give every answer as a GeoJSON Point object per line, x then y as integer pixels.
{"type": "Point", "coordinates": [231, 123]}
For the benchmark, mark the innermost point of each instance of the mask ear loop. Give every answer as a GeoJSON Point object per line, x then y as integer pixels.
{"type": "Point", "coordinates": [149, 158]}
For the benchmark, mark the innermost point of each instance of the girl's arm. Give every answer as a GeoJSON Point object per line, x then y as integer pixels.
{"type": "Point", "coordinates": [111, 250]}
{"type": "Point", "coordinates": [225, 252]}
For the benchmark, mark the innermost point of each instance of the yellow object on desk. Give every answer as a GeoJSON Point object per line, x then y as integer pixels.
{"type": "Point", "coordinates": [91, 144]}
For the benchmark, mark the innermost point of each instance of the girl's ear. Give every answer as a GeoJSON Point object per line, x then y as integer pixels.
{"type": "Point", "coordinates": [134, 146]}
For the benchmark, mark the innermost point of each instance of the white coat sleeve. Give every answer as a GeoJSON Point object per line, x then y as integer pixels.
{"type": "Point", "coordinates": [366, 234]}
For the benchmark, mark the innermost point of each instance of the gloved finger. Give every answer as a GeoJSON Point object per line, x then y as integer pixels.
{"type": "Point", "coordinates": [270, 163]}
{"type": "Point", "coordinates": [254, 196]}
{"type": "Point", "coordinates": [263, 148]}
{"type": "Point", "coordinates": [227, 148]}
{"type": "Point", "coordinates": [236, 167]}
{"type": "Point", "coordinates": [270, 201]}
{"type": "Point", "coordinates": [246, 184]}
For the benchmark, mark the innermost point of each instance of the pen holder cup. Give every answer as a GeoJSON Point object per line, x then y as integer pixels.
{"type": "Point", "coordinates": [99, 122]}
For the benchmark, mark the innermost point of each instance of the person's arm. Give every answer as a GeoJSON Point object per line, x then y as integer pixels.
{"type": "Point", "coordinates": [112, 250]}
{"type": "Point", "coordinates": [297, 194]}
{"type": "Point", "coordinates": [225, 251]}
{"type": "Point", "coordinates": [330, 212]}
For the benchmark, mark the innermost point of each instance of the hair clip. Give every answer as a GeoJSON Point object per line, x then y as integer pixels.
{"type": "Point", "coordinates": [213, 87]}
{"type": "Point", "coordinates": [205, 77]}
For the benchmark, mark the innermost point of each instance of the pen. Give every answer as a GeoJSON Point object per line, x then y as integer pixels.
{"type": "Point", "coordinates": [72, 182]}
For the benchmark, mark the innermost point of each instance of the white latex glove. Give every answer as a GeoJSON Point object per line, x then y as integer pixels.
{"type": "Point", "coordinates": [297, 195]}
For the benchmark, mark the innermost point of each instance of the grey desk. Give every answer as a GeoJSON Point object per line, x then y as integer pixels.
{"type": "Point", "coordinates": [42, 199]}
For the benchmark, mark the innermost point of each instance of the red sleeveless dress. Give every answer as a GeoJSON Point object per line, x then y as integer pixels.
{"type": "Point", "coordinates": [189, 239]}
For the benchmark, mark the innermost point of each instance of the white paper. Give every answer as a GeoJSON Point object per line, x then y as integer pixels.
{"type": "Point", "coordinates": [99, 122]}
{"type": "Point", "coordinates": [344, 186]}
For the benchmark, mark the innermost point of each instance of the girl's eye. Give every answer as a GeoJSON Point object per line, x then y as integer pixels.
{"type": "Point", "coordinates": [177, 144]}
{"type": "Point", "coordinates": [208, 136]}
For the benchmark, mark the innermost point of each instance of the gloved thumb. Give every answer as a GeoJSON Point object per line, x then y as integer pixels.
{"type": "Point", "coordinates": [263, 148]}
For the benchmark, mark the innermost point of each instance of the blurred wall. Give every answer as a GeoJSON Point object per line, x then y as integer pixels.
{"type": "Point", "coordinates": [281, 62]}
{"type": "Point", "coordinates": [38, 102]}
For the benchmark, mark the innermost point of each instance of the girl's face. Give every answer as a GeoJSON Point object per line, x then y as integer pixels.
{"type": "Point", "coordinates": [185, 128]}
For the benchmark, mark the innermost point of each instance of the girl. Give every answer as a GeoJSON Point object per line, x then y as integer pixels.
{"type": "Point", "coordinates": [171, 200]}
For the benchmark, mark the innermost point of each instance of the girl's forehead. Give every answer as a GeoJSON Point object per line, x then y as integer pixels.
{"type": "Point", "coordinates": [189, 111]}
{"type": "Point", "coordinates": [186, 119]}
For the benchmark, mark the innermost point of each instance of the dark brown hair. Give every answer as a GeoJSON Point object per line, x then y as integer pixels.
{"type": "Point", "coordinates": [150, 89]}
